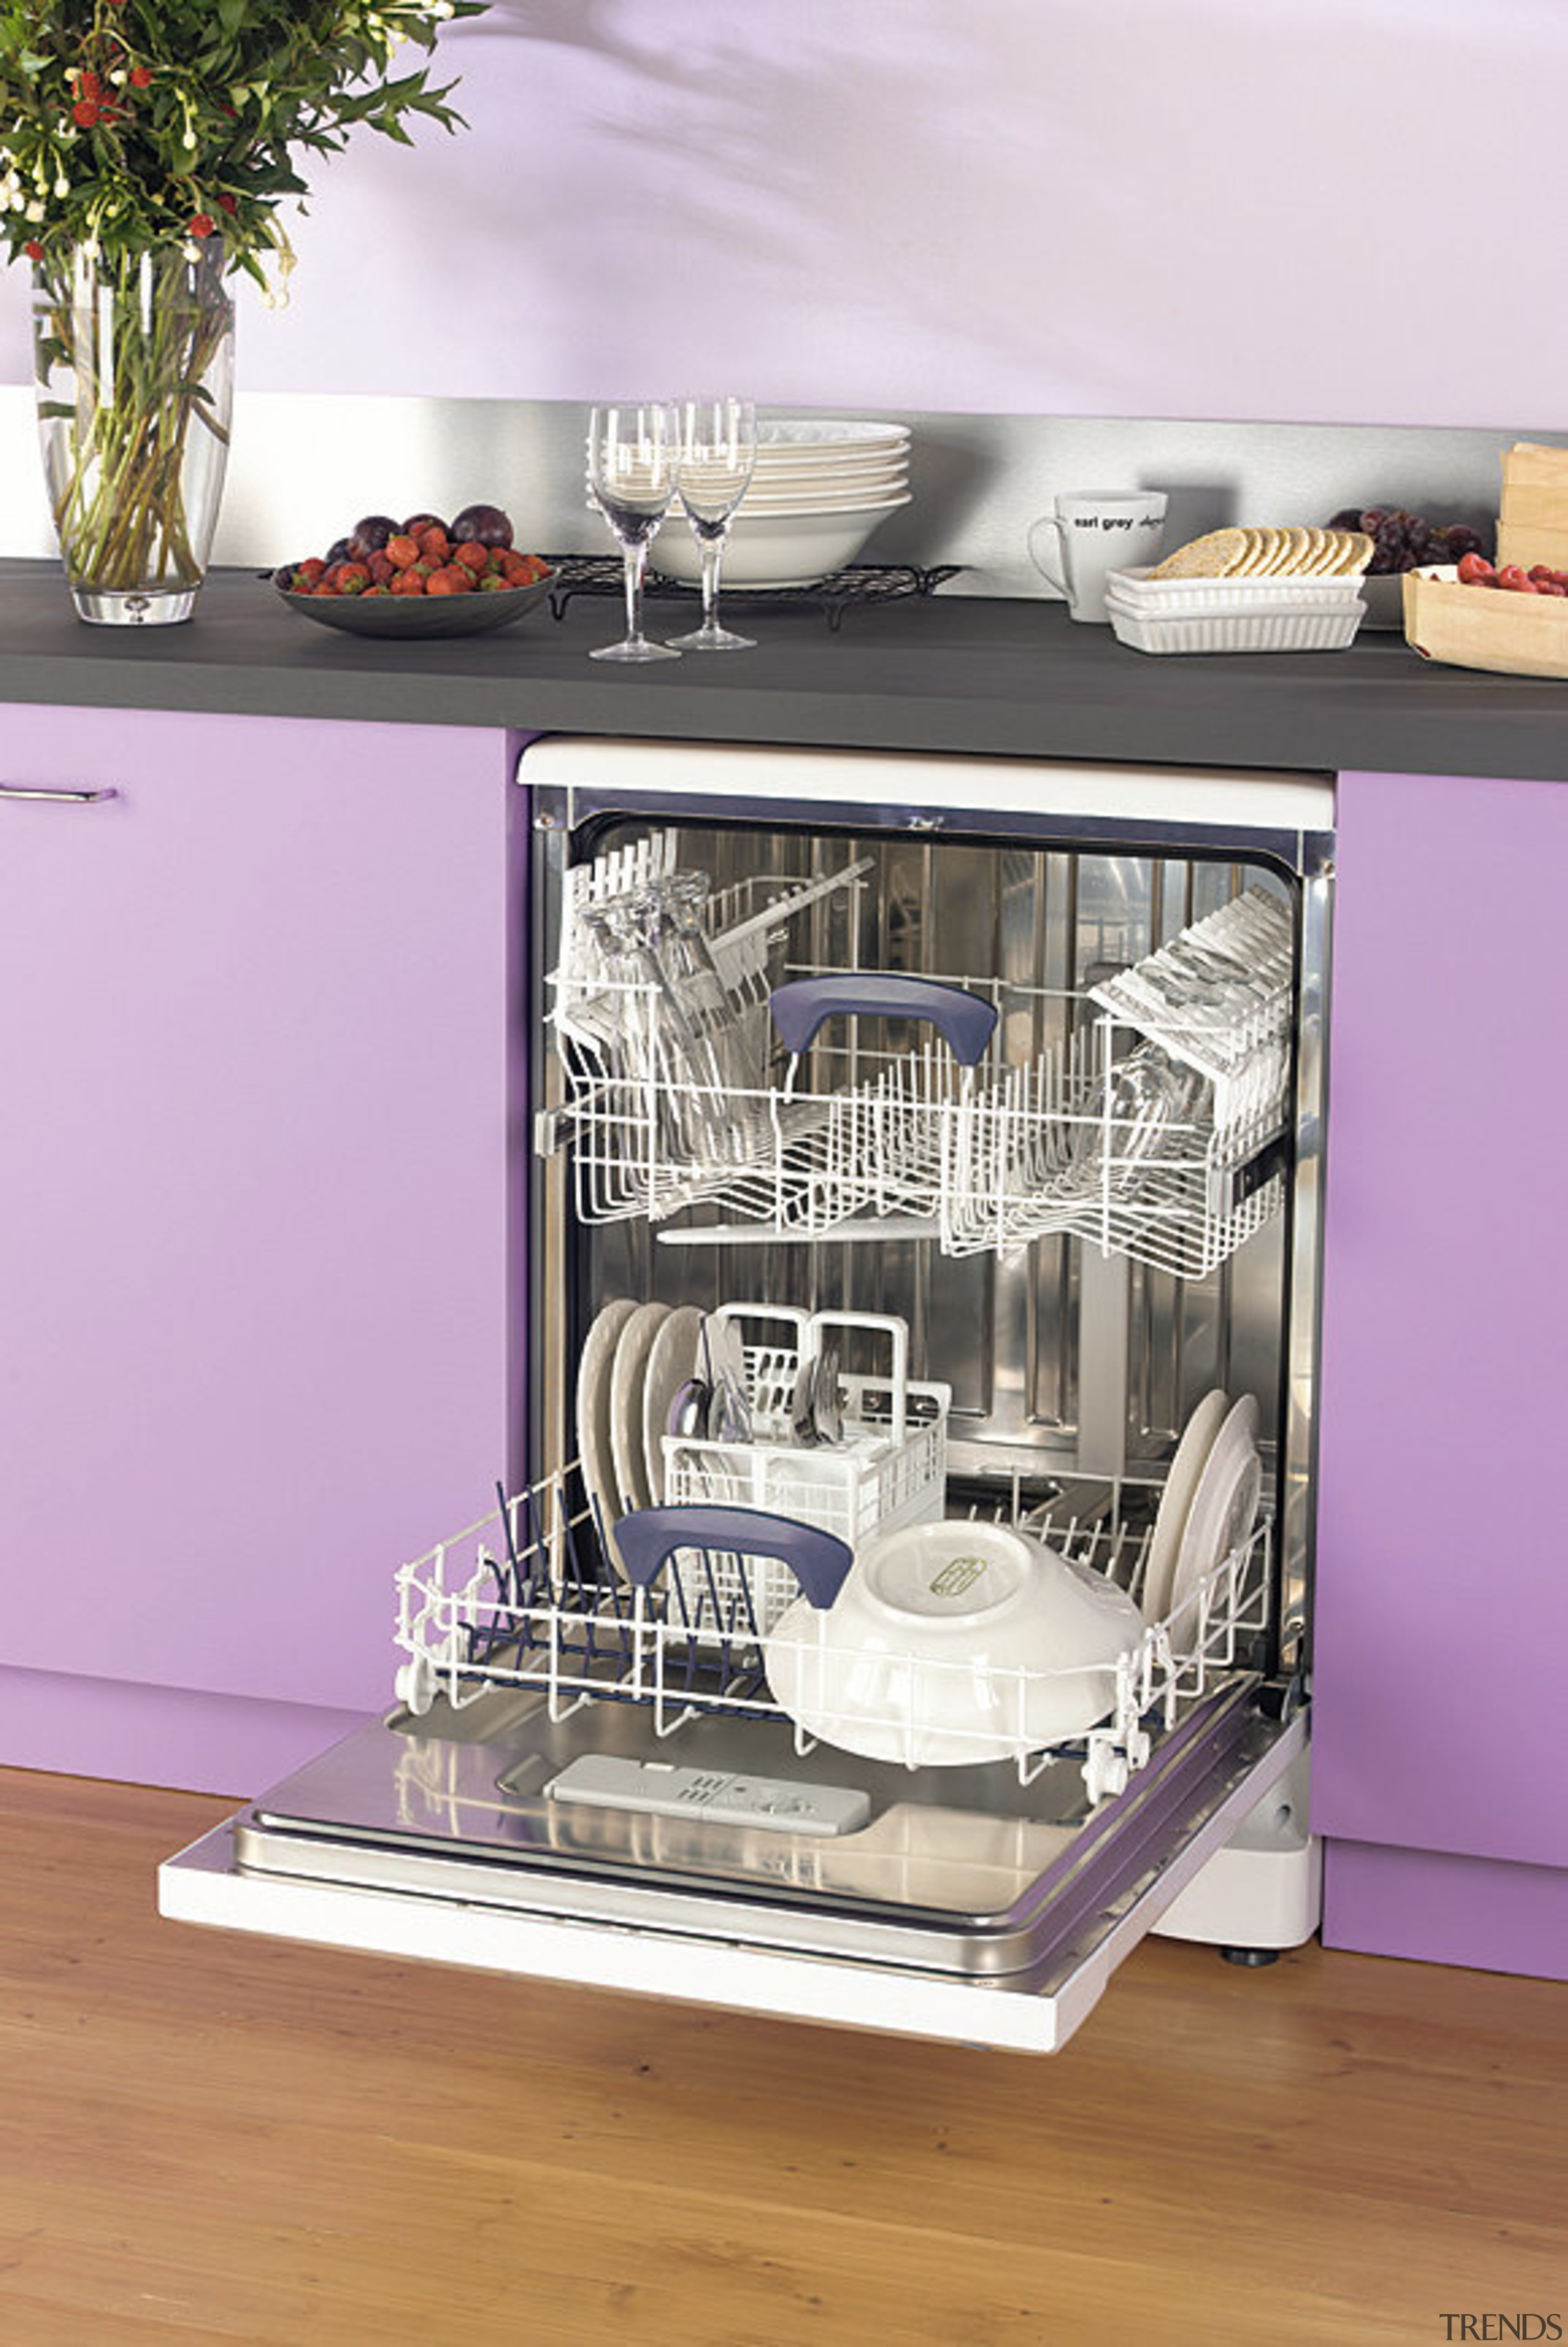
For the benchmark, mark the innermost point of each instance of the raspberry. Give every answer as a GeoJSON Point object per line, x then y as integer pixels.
{"type": "Point", "coordinates": [85, 113]}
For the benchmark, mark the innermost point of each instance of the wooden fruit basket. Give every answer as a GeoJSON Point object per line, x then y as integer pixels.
{"type": "Point", "coordinates": [1484, 627]}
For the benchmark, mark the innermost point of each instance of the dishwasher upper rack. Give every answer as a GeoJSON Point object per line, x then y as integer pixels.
{"type": "Point", "coordinates": [521, 1599]}
{"type": "Point", "coordinates": [856, 1137]}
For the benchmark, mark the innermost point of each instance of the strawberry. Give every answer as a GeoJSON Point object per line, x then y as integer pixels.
{"type": "Point", "coordinates": [380, 569]}
{"type": "Point", "coordinates": [451, 580]}
{"type": "Point", "coordinates": [402, 550]}
{"type": "Point", "coordinates": [472, 557]}
{"type": "Point", "coordinates": [434, 544]}
{"type": "Point", "coordinates": [408, 582]}
{"type": "Point", "coordinates": [353, 579]}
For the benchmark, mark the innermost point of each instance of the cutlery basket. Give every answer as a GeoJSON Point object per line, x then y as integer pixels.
{"type": "Point", "coordinates": [888, 1470]}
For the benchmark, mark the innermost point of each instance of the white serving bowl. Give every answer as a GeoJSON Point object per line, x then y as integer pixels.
{"type": "Point", "coordinates": [952, 1644]}
{"type": "Point", "coordinates": [773, 549]}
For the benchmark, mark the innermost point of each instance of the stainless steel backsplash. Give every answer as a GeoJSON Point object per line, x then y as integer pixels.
{"type": "Point", "coordinates": [305, 468]}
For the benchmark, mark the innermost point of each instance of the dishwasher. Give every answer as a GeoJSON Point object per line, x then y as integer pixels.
{"type": "Point", "coordinates": [899, 1599]}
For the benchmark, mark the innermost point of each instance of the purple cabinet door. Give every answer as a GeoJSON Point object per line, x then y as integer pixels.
{"type": "Point", "coordinates": [253, 1210]}
{"type": "Point", "coordinates": [1441, 1608]}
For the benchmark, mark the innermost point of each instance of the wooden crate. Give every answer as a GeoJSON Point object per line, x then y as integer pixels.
{"type": "Point", "coordinates": [1528, 543]}
{"type": "Point", "coordinates": [1535, 507]}
{"type": "Point", "coordinates": [1531, 465]}
{"type": "Point", "coordinates": [1485, 627]}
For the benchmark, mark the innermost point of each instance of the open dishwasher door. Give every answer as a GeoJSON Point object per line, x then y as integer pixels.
{"type": "Point", "coordinates": [594, 1779]}
{"type": "Point", "coordinates": [973, 1912]}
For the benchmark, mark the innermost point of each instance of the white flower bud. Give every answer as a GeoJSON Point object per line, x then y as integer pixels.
{"type": "Point", "coordinates": [34, 211]}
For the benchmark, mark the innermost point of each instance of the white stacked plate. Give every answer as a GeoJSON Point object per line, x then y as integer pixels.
{"type": "Point", "coordinates": [820, 488]}
{"type": "Point", "coordinates": [1287, 613]}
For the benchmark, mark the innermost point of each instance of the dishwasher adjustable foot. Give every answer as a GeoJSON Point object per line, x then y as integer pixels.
{"type": "Point", "coordinates": [1251, 1957]}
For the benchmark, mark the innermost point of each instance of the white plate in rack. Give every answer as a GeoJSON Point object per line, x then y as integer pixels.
{"type": "Point", "coordinates": [627, 1379]}
{"type": "Point", "coordinates": [593, 1429]}
{"type": "Point", "coordinates": [672, 1359]}
{"type": "Point", "coordinates": [1224, 1505]}
{"type": "Point", "coordinates": [1175, 1501]}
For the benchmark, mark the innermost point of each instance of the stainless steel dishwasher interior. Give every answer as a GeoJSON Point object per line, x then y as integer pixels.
{"type": "Point", "coordinates": [1063, 1364]}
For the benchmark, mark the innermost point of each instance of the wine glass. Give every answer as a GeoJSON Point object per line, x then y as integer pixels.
{"type": "Point", "coordinates": [633, 463]}
{"type": "Point", "coordinates": [718, 453]}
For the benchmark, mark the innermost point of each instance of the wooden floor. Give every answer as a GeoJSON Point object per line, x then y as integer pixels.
{"type": "Point", "coordinates": [205, 2137]}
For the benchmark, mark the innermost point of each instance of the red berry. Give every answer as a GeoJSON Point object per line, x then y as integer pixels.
{"type": "Point", "coordinates": [33, 249]}
{"type": "Point", "coordinates": [1474, 569]}
{"type": "Point", "coordinates": [451, 580]}
{"type": "Point", "coordinates": [201, 225]}
{"type": "Point", "coordinates": [401, 550]}
{"type": "Point", "coordinates": [1511, 575]}
{"type": "Point", "coordinates": [229, 202]}
{"type": "Point", "coordinates": [84, 114]}
{"type": "Point", "coordinates": [89, 86]}
{"type": "Point", "coordinates": [141, 77]}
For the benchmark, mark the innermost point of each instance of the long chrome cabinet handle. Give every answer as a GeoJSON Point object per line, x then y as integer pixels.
{"type": "Point", "coordinates": [66, 798]}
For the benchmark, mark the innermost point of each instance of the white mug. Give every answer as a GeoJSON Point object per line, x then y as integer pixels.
{"type": "Point", "coordinates": [1091, 533]}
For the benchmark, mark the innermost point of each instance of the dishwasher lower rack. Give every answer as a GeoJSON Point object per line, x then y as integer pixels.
{"type": "Point", "coordinates": [522, 1599]}
{"type": "Point", "coordinates": [1154, 1127]}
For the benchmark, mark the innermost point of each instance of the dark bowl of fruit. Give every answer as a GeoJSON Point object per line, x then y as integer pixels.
{"type": "Point", "coordinates": [1401, 542]}
{"type": "Point", "coordinates": [421, 577]}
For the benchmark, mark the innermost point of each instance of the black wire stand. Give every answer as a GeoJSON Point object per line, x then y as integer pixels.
{"type": "Point", "coordinates": [857, 584]}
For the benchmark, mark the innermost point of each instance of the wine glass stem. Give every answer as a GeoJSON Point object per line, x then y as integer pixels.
{"type": "Point", "coordinates": [636, 564]}
{"type": "Point", "coordinates": [712, 556]}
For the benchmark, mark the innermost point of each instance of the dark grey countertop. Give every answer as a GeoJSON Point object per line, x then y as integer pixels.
{"type": "Point", "coordinates": [942, 673]}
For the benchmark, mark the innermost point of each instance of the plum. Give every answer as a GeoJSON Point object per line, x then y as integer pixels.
{"type": "Point", "coordinates": [369, 535]}
{"type": "Point", "coordinates": [485, 525]}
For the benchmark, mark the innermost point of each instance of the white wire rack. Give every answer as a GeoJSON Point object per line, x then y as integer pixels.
{"type": "Point", "coordinates": [1071, 1143]}
{"type": "Point", "coordinates": [889, 1468]}
{"type": "Point", "coordinates": [515, 1601]}
{"type": "Point", "coordinates": [1155, 1130]}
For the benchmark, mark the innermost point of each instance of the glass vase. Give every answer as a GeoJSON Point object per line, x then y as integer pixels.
{"type": "Point", "coordinates": [134, 364]}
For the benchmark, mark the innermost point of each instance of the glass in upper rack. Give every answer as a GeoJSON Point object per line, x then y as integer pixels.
{"type": "Point", "coordinates": [718, 456]}
{"type": "Point", "coordinates": [633, 466]}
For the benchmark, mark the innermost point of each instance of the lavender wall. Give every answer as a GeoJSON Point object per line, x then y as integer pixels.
{"type": "Point", "coordinates": [1181, 207]}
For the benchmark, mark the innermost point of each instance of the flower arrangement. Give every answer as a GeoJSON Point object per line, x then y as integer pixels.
{"type": "Point", "coordinates": [146, 148]}
{"type": "Point", "coordinates": [129, 125]}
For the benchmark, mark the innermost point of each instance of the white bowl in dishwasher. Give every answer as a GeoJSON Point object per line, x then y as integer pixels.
{"type": "Point", "coordinates": [953, 1644]}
